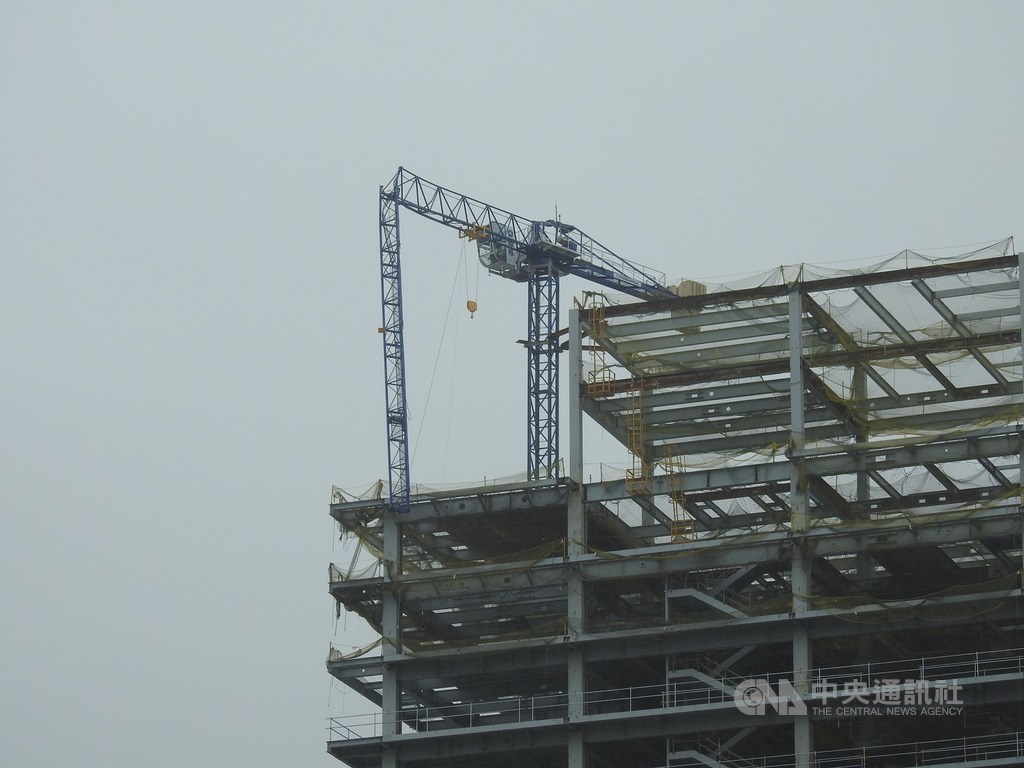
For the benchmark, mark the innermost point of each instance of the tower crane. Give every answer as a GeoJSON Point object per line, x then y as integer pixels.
{"type": "Point", "coordinates": [524, 250]}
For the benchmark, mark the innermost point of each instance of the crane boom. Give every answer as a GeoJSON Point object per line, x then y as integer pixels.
{"type": "Point", "coordinates": [512, 246]}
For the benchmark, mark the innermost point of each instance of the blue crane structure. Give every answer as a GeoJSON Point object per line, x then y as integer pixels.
{"type": "Point", "coordinates": [537, 253]}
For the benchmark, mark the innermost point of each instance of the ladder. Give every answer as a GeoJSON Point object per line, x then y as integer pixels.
{"type": "Point", "coordinates": [684, 527]}
{"type": "Point", "coordinates": [638, 477]}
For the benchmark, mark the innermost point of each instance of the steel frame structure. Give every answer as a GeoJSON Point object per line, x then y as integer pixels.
{"type": "Point", "coordinates": [397, 413]}
{"type": "Point", "coordinates": [539, 261]}
{"type": "Point", "coordinates": [561, 623]}
{"type": "Point", "coordinates": [542, 373]}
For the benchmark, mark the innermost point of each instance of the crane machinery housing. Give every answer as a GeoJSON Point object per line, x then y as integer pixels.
{"type": "Point", "coordinates": [529, 251]}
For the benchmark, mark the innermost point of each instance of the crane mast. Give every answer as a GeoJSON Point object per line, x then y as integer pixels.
{"type": "Point", "coordinates": [542, 373]}
{"type": "Point", "coordinates": [511, 246]}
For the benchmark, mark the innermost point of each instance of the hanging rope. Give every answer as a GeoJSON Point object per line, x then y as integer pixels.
{"type": "Point", "coordinates": [451, 398]}
{"type": "Point", "coordinates": [471, 304]}
{"type": "Point", "coordinates": [437, 357]}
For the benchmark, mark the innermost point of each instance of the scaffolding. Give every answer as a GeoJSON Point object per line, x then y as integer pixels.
{"type": "Point", "coordinates": [820, 531]}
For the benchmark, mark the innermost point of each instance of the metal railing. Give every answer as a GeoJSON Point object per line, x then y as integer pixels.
{"type": "Point", "coordinates": [954, 666]}
{"type": "Point", "coordinates": [919, 754]}
{"type": "Point", "coordinates": [700, 690]}
{"type": "Point", "coordinates": [530, 709]}
{"type": "Point", "coordinates": [960, 666]}
{"type": "Point", "coordinates": [471, 714]}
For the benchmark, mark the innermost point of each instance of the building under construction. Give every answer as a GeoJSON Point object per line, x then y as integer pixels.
{"type": "Point", "coordinates": [813, 558]}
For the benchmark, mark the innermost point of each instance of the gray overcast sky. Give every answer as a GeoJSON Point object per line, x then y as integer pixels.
{"type": "Point", "coordinates": [189, 295]}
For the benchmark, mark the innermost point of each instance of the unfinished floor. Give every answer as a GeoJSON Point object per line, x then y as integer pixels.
{"type": "Point", "coordinates": [824, 491]}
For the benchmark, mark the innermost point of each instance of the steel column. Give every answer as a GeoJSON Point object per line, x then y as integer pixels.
{"type": "Point", "coordinates": [800, 580]}
{"type": "Point", "coordinates": [1020, 456]}
{"type": "Point", "coordinates": [391, 634]}
{"type": "Point", "coordinates": [576, 534]}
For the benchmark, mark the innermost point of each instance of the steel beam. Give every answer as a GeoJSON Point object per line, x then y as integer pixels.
{"type": "Point", "coordinates": [957, 325]}
{"type": "Point", "coordinates": [812, 286]}
{"type": "Point", "coordinates": [715, 554]}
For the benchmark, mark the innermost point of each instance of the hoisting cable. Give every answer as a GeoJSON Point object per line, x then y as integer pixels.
{"type": "Point", "coordinates": [476, 286]}
{"type": "Point", "coordinates": [451, 395]}
{"type": "Point", "coordinates": [471, 304]}
{"type": "Point", "coordinates": [437, 357]}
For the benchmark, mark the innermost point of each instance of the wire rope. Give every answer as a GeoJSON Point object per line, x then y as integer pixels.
{"type": "Point", "coordinates": [437, 357]}
{"type": "Point", "coordinates": [451, 400]}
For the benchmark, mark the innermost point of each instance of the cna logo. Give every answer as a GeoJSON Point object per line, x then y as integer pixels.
{"type": "Point", "coordinates": [754, 697]}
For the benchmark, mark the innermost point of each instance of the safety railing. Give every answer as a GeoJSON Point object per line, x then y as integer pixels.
{"type": "Point", "coordinates": [696, 691]}
{"type": "Point", "coordinates": [961, 666]}
{"type": "Point", "coordinates": [354, 729]}
{"type": "Point", "coordinates": [948, 667]}
{"type": "Point", "coordinates": [965, 751]}
{"type": "Point", "coordinates": [472, 714]}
